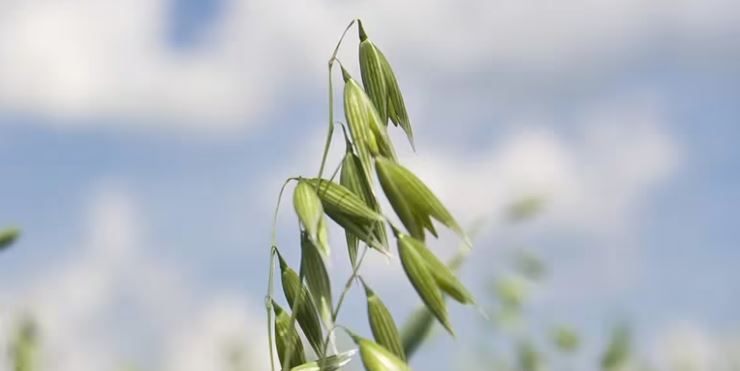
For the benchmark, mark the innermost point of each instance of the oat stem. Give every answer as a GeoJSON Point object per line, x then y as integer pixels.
{"type": "Point", "coordinates": [270, 279]}
{"type": "Point", "coordinates": [268, 307]}
{"type": "Point", "coordinates": [348, 284]}
{"type": "Point", "coordinates": [347, 287]}
{"type": "Point", "coordinates": [330, 131]}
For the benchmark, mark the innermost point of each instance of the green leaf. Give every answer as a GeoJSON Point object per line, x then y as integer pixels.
{"type": "Point", "coordinates": [382, 324]}
{"type": "Point", "coordinates": [618, 350]}
{"type": "Point", "coordinates": [400, 203]}
{"type": "Point", "coordinates": [423, 281]}
{"type": "Point", "coordinates": [308, 208]}
{"type": "Point", "coordinates": [337, 198]}
{"type": "Point", "coordinates": [565, 339]}
{"type": "Point", "coordinates": [376, 358]}
{"type": "Point", "coordinates": [8, 236]}
{"type": "Point", "coordinates": [353, 178]}
{"type": "Point", "coordinates": [444, 277]}
{"type": "Point", "coordinates": [373, 78]}
{"type": "Point", "coordinates": [511, 292]}
{"type": "Point", "coordinates": [298, 296]}
{"type": "Point", "coordinates": [396, 106]}
{"type": "Point", "coordinates": [287, 339]}
{"type": "Point", "coordinates": [317, 277]}
{"type": "Point", "coordinates": [529, 357]}
{"type": "Point", "coordinates": [358, 227]}
{"type": "Point", "coordinates": [382, 86]}
{"type": "Point", "coordinates": [416, 329]}
{"type": "Point", "coordinates": [525, 208]}
{"type": "Point", "coordinates": [411, 198]}
{"type": "Point", "coordinates": [23, 347]}
{"type": "Point", "coordinates": [529, 265]}
{"type": "Point", "coordinates": [322, 242]}
{"type": "Point", "coordinates": [368, 132]}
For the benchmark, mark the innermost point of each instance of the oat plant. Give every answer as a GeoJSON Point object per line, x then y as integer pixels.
{"type": "Point", "coordinates": [349, 198]}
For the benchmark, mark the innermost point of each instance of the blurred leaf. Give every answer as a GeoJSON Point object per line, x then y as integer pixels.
{"type": "Point", "coordinates": [8, 236]}
{"type": "Point", "coordinates": [236, 357]}
{"type": "Point", "coordinates": [508, 318]}
{"type": "Point", "coordinates": [510, 291]}
{"type": "Point", "coordinates": [529, 357]}
{"type": "Point", "coordinates": [24, 346]}
{"type": "Point", "coordinates": [416, 330]}
{"type": "Point", "coordinates": [565, 339]}
{"type": "Point", "coordinates": [530, 266]}
{"type": "Point", "coordinates": [617, 352]}
{"type": "Point", "coordinates": [525, 208]}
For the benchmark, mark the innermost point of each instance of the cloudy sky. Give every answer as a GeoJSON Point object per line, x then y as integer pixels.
{"type": "Point", "coordinates": [143, 144]}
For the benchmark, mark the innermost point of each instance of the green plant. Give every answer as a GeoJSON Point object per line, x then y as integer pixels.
{"type": "Point", "coordinates": [352, 203]}
{"type": "Point", "coordinates": [8, 236]}
{"type": "Point", "coordinates": [24, 346]}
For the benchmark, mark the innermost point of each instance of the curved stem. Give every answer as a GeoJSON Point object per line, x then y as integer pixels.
{"type": "Point", "coordinates": [347, 287]}
{"type": "Point", "coordinates": [348, 284]}
{"type": "Point", "coordinates": [270, 279]}
{"type": "Point", "coordinates": [339, 43]}
{"type": "Point", "coordinates": [273, 244]}
{"type": "Point", "coordinates": [330, 130]}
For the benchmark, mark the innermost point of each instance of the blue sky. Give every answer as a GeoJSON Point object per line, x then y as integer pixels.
{"type": "Point", "coordinates": [143, 144]}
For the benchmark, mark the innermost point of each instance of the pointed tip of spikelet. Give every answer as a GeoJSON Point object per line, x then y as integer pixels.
{"type": "Point", "coordinates": [361, 30]}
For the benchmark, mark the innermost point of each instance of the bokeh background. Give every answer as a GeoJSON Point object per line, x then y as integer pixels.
{"type": "Point", "coordinates": [143, 144]}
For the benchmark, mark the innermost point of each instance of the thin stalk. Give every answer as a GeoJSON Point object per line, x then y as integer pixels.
{"type": "Point", "coordinates": [277, 209]}
{"type": "Point", "coordinates": [347, 287]}
{"type": "Point", "coordinates": [330, 131]}
{"type": "Point", "coordinates": [270, 279]}
{"type": "Point", "coordinates": [336, 171]}
{"type": "Point", "coordinates": [268, 307]}
{"type": "Point", "coordinates": [291, 326]}
{"type": "Point", "coordinates": [348, 284]}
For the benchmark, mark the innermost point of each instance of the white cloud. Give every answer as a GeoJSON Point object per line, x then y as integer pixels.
{"type": "Point", "coordinates": [689, 346]}
{"type": "Point", "coordinates": [85, 305]}
{"type": "Point", "coordinates": [80, 60]}
{"type": "Point", "coordinates": [71, 299]}
{"type": "Point", "coordinates": [224, 330]}
{"type": "Point", "coordinates": [594, 179]}
{"type": "Point", "coordinates": [86, 59]}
